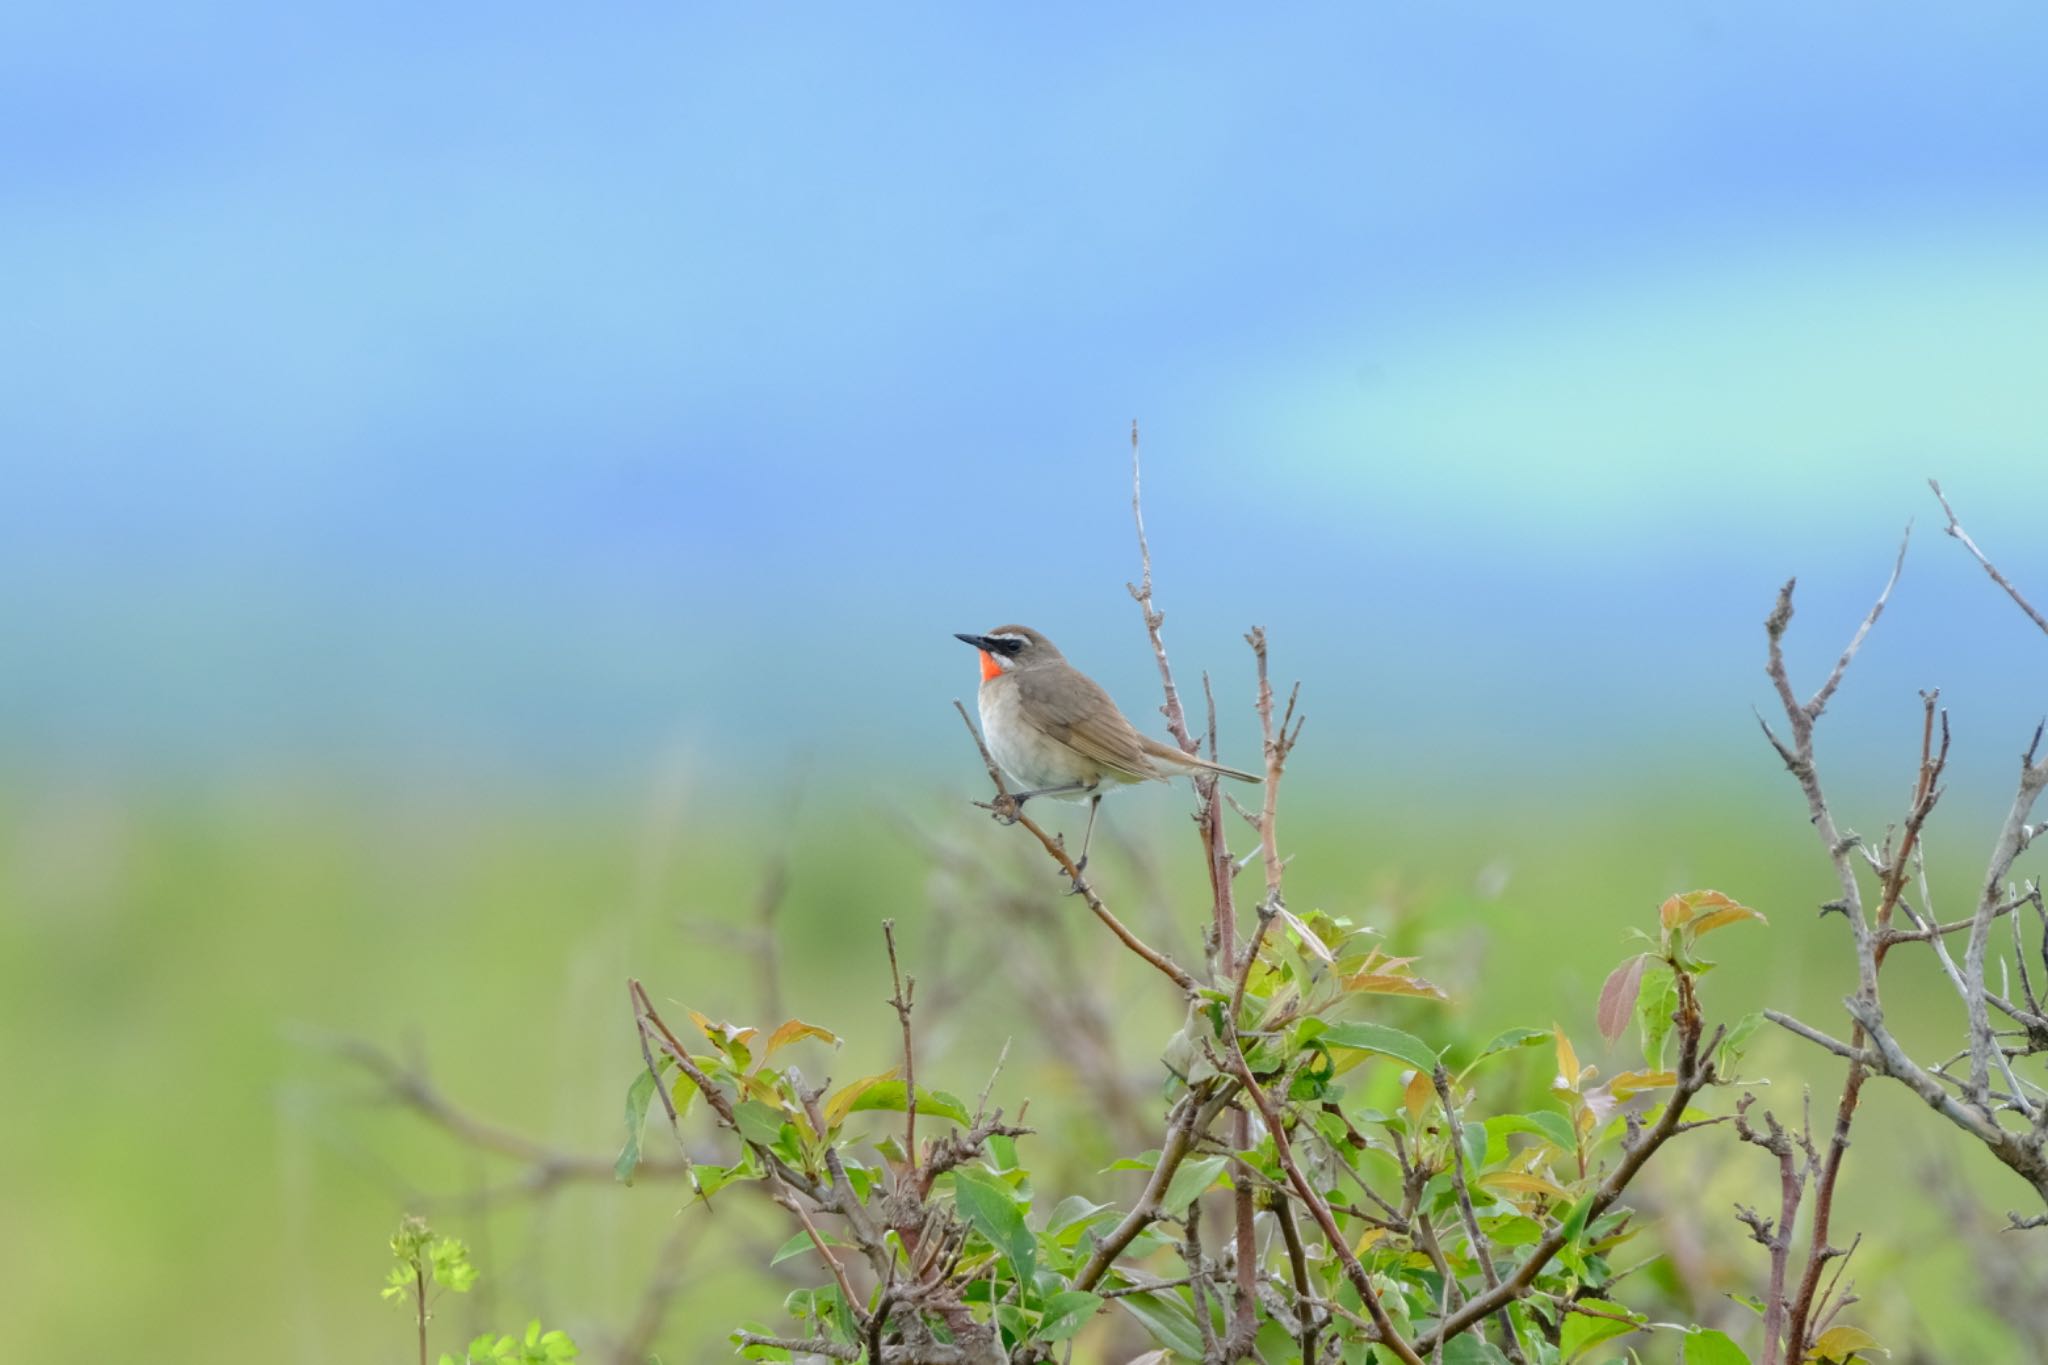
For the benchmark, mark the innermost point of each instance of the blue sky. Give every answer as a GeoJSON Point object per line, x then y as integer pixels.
{"type": "Point", "coordinates": [555, 387]}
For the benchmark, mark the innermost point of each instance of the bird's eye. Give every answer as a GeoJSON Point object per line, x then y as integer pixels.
{"type": "Point", "coordinates": [1010, 645]}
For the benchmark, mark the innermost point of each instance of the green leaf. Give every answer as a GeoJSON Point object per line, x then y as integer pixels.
{"type": "Point", "coordinates": [1574, 1223]}
{"type": "Point", "coordinates": [1066, 1313]}
{"type": "Point", "coordinates": [1508, 1041]}
{"type": "Point", "coordinates": [711, 1179]}
{"type": "Point", "coordinates": [1474, 1135]}
{"type": "Point", "coordinates": [1702, 1346]}
{"type": "Point", "coordinates": [759, 1329]}
{"type": "Point", "coordinates": [682, 1093]}
{"type": "Point", "coordinates": [1193, 1177]}
{"type": "Point", "coordinates": [1517, 1230]}
{"type": "Point", "coordinates": [989, 1207]}
{"type": "Point", "coordinates": [638, 1096]}
{"type": "Point", "coordinates": [798, 1245]}
{"type": "Point", "coordinates": [1736, 1043]}
{"type": "Point", "coordinates": [1656, 1002]}
{"type": "Point", "coordinates": [1390, 1042]}
{"type": "Point", "coordinates": [1072, 1214]}
{"type": "Point", "coordinates": [1553, 1128]}
{"type": "Point", "coordinates": [887, 1093]}
{"type": "Point", "coordinates": [1002, 1152]}
{"type": "Point", "coordinates": [1582, 1333]}
{"type": "Point", "coordinates": [1471, 1348]}
{"type": "Point", "coordinates": [1169, 1320]}
{"type": "Point", "coordinates": [758, 1122]}
{"type": "Point", "coordinates": [1144, 1162]}
{"type": "Point", "coordinates": [451, 1265]}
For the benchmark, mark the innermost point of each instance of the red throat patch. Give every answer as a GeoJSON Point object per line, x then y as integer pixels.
{"type": "Point", "coordinates": [989, 667]}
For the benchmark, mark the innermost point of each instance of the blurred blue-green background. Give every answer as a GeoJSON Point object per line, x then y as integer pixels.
{"type": "Point", "coordinates": [479, 483]}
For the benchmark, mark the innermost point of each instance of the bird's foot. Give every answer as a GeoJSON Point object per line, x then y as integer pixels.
{"type": "Point", "coordinates": [1006, 808]}
{"type": "Point", "coordinates": [1079, 886]}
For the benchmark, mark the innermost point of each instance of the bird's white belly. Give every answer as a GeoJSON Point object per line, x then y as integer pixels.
{"type": "Point", "coordinates": [1032, 758]}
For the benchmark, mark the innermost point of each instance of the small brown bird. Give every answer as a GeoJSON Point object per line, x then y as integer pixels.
{"type": "Point", "coordinates": [1053, 729]}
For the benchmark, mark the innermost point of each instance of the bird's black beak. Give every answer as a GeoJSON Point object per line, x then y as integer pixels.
{"type": "Point", "coordinates": [980, 642]}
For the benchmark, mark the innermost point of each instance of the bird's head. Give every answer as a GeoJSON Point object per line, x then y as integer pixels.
{"type": "Point", "coordinates": [1010, 647]}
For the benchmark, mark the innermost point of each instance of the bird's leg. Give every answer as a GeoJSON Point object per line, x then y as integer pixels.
{"type": "Point", "coordinates": [1062, 790]}
{"type": "Point", "coordinates": [1081, 863]}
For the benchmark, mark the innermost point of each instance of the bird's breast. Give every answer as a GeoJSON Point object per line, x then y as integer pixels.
{"type": "Point", "coordinates": [1022, 749]}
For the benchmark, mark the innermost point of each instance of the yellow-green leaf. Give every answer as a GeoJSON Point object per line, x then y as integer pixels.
{"type": "Point", "coordinates": [842, 1101]}
{"type": "Point", "coordinates": [1393, 983]}
{"type": "Point", "coordinates": [793, 1030]}
{"type": "Point", "coordinates": [1631, 1082]}
{"type": "Point", "coordinates": [1521, 1182]}
{"type": "Point", "coordinates": [1568, 1073]}
{"type": "Point", "coordinates": [1839, 1344]}
{"type": "Point", "coordinates": [1581, 1331]}
{"type": "Point", "coordinates": [1708, 923]}
{"type": "Point", "coordinates": [1392, 1042]}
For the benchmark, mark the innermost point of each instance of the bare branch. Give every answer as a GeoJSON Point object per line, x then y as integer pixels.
{"type": "Point", "coordinates": [1955, 529]}
{"type": "Point", "coordinates": [1819, 700]}
{"type": "Point", "coordinates": [2012, 837]}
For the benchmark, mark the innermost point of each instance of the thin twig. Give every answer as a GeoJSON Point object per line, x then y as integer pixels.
{"type": "Point", "coordinates": [901, 999]}
{"type": "Point", "coordinates": [1955, 529]}
{"type": "Point", "coordinates": [1470, 1217]}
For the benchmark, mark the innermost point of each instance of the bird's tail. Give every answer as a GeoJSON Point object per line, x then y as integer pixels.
{"type": "Point", "coordinates": [1182, 759]}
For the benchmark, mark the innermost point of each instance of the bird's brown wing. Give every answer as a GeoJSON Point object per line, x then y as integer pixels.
{"type": "Point", "coordinates": [1073, 709]}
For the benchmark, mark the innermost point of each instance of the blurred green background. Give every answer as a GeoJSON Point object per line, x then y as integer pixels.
{"type": "Point", "coordinates": [482, 490]}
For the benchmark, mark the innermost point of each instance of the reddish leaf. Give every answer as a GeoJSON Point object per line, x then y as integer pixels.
{"type": "Point", "coordinates": [1729, 915]}
{"type": "Point", "coordinates": [1685, 909]}
{"type": "Point", "coordinates": [1618, 996]}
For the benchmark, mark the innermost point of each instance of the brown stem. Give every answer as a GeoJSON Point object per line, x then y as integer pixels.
{"type": "Point", "coordinates": [1308, 1315]}
{"type": "Point", "coordinates": [1512, 1347]}
{"type": "Point", "coordinates": [1318, 1207]}
{"type": "Point", "coordinates": [901, 1000]}
{"type": "Point", "coordinates": [1193, 1115]}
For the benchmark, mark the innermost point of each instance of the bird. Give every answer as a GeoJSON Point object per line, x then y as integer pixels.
{"type": "Point", "coordinates": [1054, 730]}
